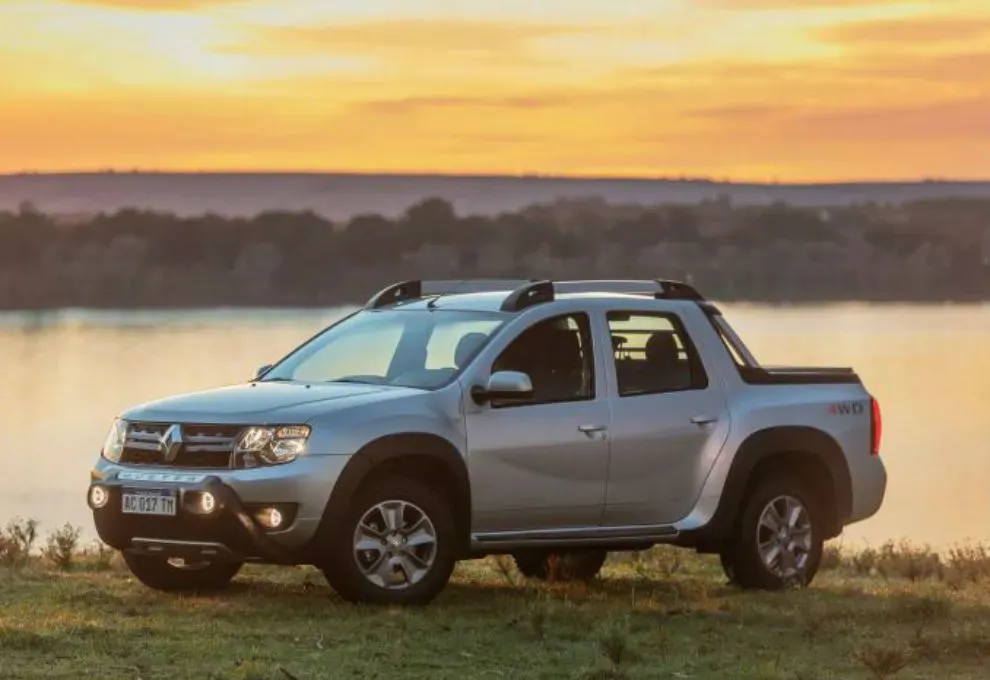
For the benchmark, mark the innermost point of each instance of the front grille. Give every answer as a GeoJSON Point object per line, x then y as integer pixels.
{"type": "Point", "coordinates": [203, 446]}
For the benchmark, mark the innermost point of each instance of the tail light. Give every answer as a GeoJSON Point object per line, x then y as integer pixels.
{"type": "Point", "coordinates": [876, 426]}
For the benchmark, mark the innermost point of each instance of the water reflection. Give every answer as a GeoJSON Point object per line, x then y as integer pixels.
{"type": "Point", "coordinates": [66, 374]}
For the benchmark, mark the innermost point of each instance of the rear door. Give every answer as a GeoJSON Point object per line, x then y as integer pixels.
{"type": "Point", "coordinates": [668, 419]}
{"type": "Point", "coordinates": [541, 464]}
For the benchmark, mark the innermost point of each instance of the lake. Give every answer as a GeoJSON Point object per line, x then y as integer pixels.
{"type": "Point", "coordinates": [66, 374]}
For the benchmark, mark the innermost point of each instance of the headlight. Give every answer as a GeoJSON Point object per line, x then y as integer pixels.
{"type": "Point", "coordinates": [113, 447]}
{"type": "Point", "coordinates": [274, 445]}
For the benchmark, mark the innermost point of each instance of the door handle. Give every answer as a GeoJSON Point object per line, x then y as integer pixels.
{"type": "Point", "coordinates": [703, 420]}
{"type": "Point", "coordinates": [593, 431]}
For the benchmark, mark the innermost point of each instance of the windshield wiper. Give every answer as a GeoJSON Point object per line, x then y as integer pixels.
{"type": "Point", "coordinates": [276, 378]}
{"type": "Point", "coordinates": [358, 381]}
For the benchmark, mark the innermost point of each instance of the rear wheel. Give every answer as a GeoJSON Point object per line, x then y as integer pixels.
{"type": "Point", "coordinates": [779, 537]}
{"type": "Point", "coordinates": [569, 565]}
{"type": "Point", "coordinates": [175, 575]}
{"type": "Point", "coordinates": [396, 546]}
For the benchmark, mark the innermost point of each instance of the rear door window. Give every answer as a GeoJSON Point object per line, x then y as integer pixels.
{"type": "Point", "coordinates": [653, 354]}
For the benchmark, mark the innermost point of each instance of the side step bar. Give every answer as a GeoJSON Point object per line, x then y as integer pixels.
{"type": "Point", "coordinates": [589, 536]}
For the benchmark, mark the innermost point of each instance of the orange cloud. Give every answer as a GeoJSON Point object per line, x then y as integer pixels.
{"type": "Point", "coordinates": [793, 4]}
{"type": "Point", "coordinates": [912, 31]}
{"type": "Point", "coordinates": [967, 120]}
{"type": "Point", "coordinates": [727, 93]}
{"type": "Point", "coordinates": [964, 68]}
{"type": "Point", "coordinates": [429, 39]}
{"type": "Point", "coordinates": [408, 105]}
{"type": "Point", "coordinates": [871, 74]}
{"type": "Point", "coordinates": [151, 5]}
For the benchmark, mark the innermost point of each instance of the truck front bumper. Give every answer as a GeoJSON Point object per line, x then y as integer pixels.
{"type": "Point", "coordinates": [261, 515]}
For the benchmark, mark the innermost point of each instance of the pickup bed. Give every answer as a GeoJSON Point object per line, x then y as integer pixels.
{"type": "Point", "coordinates": [553, 421]}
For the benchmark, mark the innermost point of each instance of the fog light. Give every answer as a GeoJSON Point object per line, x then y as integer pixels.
{"type": "Point", "coordinates": [98, 496]}
{"type": "Point", "coordinates": [207, 502]}
{"type": "Point", "coordinates": [271, 518]}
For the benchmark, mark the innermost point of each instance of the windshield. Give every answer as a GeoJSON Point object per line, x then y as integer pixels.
{"type": "Point", "coordinates": [424, 349]}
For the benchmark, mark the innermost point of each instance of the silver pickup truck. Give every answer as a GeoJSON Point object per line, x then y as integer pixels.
{"type": "Point", "coordinates": [552, 421]}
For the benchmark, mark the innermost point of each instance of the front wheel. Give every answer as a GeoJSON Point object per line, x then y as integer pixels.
{"type": "Point", "coordinates": [779, 537]}
{"type": "Point", "coordinates": [396, 546]}
{"type": "Point", "coordinates": [173, 575]}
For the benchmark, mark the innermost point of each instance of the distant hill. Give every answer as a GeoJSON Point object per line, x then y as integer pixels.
{"type": "Point", "coordinates": [920, 251]}
{"type": "Point", "coordinates": [341, 196]}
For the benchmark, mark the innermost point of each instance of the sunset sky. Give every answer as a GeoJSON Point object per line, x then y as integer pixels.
{"type": "Point", "coordinates": [789, 90]}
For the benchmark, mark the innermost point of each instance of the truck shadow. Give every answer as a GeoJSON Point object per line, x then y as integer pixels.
{"type": "Point", "coordinates": [820, 606]}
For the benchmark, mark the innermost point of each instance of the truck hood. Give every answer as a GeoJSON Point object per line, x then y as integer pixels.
{"type": "Point", "coordinates": [263, 402]}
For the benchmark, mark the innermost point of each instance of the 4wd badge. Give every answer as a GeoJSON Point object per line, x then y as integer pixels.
{"type": "Point", "coordinates": [848, 408]}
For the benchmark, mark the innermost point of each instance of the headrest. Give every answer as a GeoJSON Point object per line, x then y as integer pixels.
{"type": "Point", "coordinates": [466, 348]}
{"type": "Point", "coordinates": [662, 348]}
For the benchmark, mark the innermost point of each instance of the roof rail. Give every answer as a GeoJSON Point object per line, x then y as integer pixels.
{"type": "Point", "coordinates": [677, 290]}
{"type": "Point", "coordinates": [528, 295]}
{"type": "Point", "coordinates": [661, 289]}
{"type": "Point", "coordinates": [403, 291]}
{"type": "Point", "coordinates": [397, 292]}
{"type": "Point", "coordinates": [528, 292]}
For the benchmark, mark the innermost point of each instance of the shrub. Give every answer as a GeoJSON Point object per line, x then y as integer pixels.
{"type": "Point", "coordinates": [910, 562]}
{"type": "Point", "coordinates": [883, 662]}
{"type": "Point", "coordinates": [62, 546]}
{"type": "Point", "coordinates": [17, 541]}
{"type": "Point", "coordinates": [969, 563]}
{"type": "Point", "coordinates": [832, 557]}
{"type": "Point", "coordinates": [899, 560]}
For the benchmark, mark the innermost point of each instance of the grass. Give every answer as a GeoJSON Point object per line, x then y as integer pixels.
{"type": "Point", "coordinates": [900, 612]}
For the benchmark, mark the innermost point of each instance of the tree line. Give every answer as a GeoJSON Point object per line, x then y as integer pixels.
{"type": "Point", "coordinates": [933, 250]}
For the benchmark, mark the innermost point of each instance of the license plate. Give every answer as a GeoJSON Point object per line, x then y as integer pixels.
{"type": "Point", "coordinates": [148, 502]}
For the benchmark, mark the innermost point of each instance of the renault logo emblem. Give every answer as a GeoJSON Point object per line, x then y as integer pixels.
{"type": "Point", "coordinates": [170, 442]}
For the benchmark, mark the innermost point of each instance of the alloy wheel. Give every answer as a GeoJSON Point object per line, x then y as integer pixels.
{"type": "Point", "coordinates": [395, 544]}
{"type": "Point", "coordinates": [783, 537]}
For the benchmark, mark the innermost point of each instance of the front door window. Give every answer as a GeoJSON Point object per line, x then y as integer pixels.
{"type": "Point", "coordinates": [556, 354]}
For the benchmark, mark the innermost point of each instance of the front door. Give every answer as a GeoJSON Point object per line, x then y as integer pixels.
{"type": "Point", "coordinates": [669, 420]}
{"type": "Point", "coordinates": [541, 464]}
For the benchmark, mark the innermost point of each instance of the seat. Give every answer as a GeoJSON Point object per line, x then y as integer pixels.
{"type": "Point", "coordinates": [565, 365]}
{"type": "Point", "coordinates": [665, 370]}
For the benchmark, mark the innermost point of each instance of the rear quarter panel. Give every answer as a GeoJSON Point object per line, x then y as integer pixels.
{"type": "Point", "coordinates": [841, 411]}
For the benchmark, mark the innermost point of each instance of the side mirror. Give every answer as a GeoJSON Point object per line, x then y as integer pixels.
{"type": "Point", "coordinates": [504, 386]}
{"type": "Point", "coordinates": [261, 371]}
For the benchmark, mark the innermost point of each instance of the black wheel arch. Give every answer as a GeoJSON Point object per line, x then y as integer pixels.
{"type": "Point", "coordinates": [808, 452]}
{"type": "Point", "coordinates": [426, 457]}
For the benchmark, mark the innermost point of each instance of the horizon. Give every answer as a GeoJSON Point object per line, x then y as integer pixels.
{"type": "Point", "coordinates": [740, 91]}
{"type": "Point", "coordinates": [672, 178]}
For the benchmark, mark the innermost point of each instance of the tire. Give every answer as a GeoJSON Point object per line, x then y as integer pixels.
{"type": "Point", "coordinates": [793, 556]}
{"type": "Point", "coordinates": [160, 574]}
{"type": "Point", "coordinates": [569, 565]}
{"type": "Point", "coordinates": [377, 574]}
